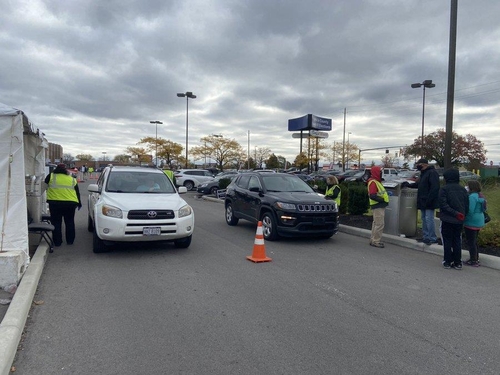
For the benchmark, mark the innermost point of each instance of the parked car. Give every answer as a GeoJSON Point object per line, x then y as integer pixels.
{"type": "Point", "coordinates": [355, 177]}
{"type": "Point", "coordinates": [323, 176]}
{"type": "Point", "coordinates": [192, 178]}
{"type": "Point", "coordinates": [349, 173]}
{"type": "Point", "coordinates": [211, 187]}
{"type": "Point", "coordinates": [468, 175]}
{"type": "Point", "coordinates": [410, 176]}
{"type": "Point", "coordinates": [389, 174]}
{"type": "Point", "coordinates": [137, 204]}
{"type": "Point", "coordinates": [285, 204]}
{"type": "Point", "coordinates": [225, 173]}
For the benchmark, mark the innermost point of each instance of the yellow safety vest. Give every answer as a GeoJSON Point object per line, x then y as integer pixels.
{"type": "Point", "coordinates": [62, 188]}
{"type": "Point", "coordinates": [381, 192]}
{"type": "Point", "coordinates": [169, 173]}
{"type": "Point", "coordinates": [329, 192]}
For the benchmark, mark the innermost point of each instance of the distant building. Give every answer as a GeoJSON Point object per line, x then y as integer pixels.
{"type": "Point", "coordinates": [54, 154]}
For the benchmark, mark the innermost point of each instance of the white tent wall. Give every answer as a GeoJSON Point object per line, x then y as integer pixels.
{"type": "Point", "coordinates": [22, 154]}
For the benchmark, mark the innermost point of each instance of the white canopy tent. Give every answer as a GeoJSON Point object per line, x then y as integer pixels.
{"type": "Point", "coordinates": [22, 170]}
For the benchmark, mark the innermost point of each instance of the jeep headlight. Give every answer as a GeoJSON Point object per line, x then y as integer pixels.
{"type": "Point", "coordinates": [285, 206]}
{"type": "Point", "coordinates": [112, 211]}
{"type": "Point", "coordinates": [185, 211]}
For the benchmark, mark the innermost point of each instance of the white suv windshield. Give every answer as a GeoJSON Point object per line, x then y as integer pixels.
{"type": "Point", "coordinates": [139, 183]}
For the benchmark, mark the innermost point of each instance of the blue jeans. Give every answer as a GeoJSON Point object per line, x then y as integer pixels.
{"type": "Point", "coordinates": [428, 231]}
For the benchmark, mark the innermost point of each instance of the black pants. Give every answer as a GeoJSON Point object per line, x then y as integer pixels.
{"type": "Point", "coordinates": [471, 237]}
{"type": "Point", "coordinates": [58, 212]}
{"type": "Point", "coordinates": [452, 242]}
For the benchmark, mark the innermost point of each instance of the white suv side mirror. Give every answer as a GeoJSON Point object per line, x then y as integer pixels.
{"type": "Point", "coordinates": [182, 189]}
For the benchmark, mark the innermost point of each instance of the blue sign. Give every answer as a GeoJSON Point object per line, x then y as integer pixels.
{"type": "Point", "coordinates": [309, 122]}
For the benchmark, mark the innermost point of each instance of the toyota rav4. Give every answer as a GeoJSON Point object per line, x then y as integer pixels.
{"type": "Point", "coordinates": [137, 204]}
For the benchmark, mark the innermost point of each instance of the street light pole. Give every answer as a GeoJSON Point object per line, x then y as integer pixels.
{"type": "Point", "coordinates": [427, 83]}
{"type": "Point", "coordinates": [348, 149]}
{"type": "Point", "coordinates": [188, 95]}
{"type": "Point", "coordinates": [156, 140]}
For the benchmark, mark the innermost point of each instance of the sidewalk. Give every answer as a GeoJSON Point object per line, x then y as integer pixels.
{"type": "Point", "coordinates": [15, 314]}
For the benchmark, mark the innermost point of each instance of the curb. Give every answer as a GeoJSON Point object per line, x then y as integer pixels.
{"type": "Point", "coordinates": [489, 261]}
{"type": "Point", "coordinates": [12, 325]}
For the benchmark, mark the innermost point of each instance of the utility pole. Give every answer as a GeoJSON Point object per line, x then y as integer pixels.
{"type": "Point", "coordinates": [451, 84]}
{"type": "Point", "coordinates": [343, 144]}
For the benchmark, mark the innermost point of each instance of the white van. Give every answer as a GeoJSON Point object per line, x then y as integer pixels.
{"type": "Point", "coordinates": [389, 174]}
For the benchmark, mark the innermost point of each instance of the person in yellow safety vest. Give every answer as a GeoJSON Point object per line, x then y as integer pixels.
{"type": "Point", "coordinates": [333, 189]}
{"type": "Point", "coordinates": [379, 200]}
{"type": "Point", "coordinates": [170, 174]}
{"type": "Point", "coordinates": [63, 197]}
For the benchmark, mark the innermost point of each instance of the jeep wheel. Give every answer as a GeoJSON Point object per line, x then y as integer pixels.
{"type": "Point", "coordinates": [183, 242]}
{"type": "Point", "coordinates": [269, 227]}
{"type": "Point", "coordinates": [98, 245]}
{"type": "Point", "coordinates": [90, 224]}
{"type": "Point", "coordinates": [230, 218]}
{"type": "Point", "coordinates": [189, 185]}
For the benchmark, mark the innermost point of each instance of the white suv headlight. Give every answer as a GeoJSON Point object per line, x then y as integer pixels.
{"type": "Point", "coordinates": [112, 211]}
{"type": "Point", "coordinates": [185, 211]}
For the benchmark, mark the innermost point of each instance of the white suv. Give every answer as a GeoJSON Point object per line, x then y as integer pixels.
{"type": "Point", "coordinates": [137, 204]}
{"type": "Point", "coordinates": [191, 178]}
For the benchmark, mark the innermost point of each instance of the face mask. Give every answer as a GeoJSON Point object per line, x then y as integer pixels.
{"type": "Point", "coordinates": [419, 167]}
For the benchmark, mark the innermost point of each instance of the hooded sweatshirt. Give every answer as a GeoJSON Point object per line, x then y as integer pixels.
{"type": "Point", "coordinates": [376, 192]}
{"type": "Point", "coordinates": [453, 198]}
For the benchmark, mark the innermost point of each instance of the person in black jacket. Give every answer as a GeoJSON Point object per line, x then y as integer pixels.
{"type": "Point", "coordinates": [427, 199]}
{"type": "Point", "coordinates": [453, 206]}
{"type": "Point", "coordinates": [63, 197]}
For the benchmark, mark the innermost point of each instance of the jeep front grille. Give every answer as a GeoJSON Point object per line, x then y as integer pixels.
{"type": "Point", "coordinates": [325, 207]}
{"type": "Point", "coordinates": [151, 214]}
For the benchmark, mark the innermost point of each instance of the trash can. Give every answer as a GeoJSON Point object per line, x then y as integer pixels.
{"type": "Point", "coordinates": [401, 213]}
{"type": "Point", "coordinates": [408, 212]}
{"type": "Point", "coordinates": [391, 222]}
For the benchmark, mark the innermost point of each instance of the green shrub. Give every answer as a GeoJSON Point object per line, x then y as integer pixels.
{"type": "Point", "coordinates": [344, 198]}
{"type": "Point", "coordinates": [490, 182]}
{"type": "Point", "coordinates": [358, 199]}
{"type": "Point", "coordinates": [490, 234]}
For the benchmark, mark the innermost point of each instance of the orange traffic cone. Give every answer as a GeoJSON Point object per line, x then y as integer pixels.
{"type": "Point", "coordinates": [259, 250]}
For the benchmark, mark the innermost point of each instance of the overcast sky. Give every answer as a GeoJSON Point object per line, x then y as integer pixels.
{"type": "Point", "coordinates": [91, 74]}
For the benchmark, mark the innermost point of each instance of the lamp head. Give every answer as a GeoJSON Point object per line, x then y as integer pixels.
{"type": "Point", "coordinates": [416, 85]}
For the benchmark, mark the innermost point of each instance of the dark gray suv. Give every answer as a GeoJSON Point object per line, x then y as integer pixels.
{"type": "Point", "coordinates": [285, 204]}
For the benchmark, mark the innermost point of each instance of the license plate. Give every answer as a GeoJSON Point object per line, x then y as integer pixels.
{"type": "Point", "coordinates": [318, 221]}
{"type": "Point", "coordinates": [151, 231]}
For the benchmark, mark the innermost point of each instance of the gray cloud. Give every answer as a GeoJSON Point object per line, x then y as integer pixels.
{"type": "Point", "coordinates": [92, 74]}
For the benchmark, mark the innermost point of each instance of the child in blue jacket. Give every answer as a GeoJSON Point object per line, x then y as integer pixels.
{"type": "Point", "coordinates": [474, 220]}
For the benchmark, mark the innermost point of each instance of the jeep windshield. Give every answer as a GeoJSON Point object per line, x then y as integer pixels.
{"type": "Point", "coordinates": [285, 183]}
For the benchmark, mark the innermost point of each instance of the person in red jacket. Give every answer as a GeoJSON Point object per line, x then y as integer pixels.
{"type": "Point", "coordinates": [379, 200]}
